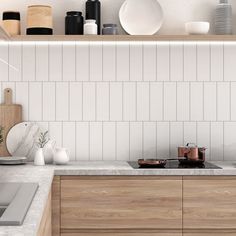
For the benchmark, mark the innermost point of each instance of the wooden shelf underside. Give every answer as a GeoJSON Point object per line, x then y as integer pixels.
{"type": "Point", "coordinates": [117, 38]}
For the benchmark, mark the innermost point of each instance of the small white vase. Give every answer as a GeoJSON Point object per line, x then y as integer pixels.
{"type": "Point", "coordinates": [39, 158]}
{"type": "Point", "coordinates": [90, 27]}
{"type": "Point", "coordinates": [61, 156]}
{"type": "Point", "coordinates": [48, 152]}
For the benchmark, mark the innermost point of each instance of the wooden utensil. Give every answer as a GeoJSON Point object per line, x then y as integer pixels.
{"type": "Point", "coordinates": [10, 114]}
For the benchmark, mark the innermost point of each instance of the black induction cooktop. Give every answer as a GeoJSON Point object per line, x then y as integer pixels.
{"type": "Point", "coordinates": [177, 165]}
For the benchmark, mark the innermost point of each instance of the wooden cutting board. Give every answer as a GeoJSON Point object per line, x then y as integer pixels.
{"type": "Point", "coordinates": [10, 115]}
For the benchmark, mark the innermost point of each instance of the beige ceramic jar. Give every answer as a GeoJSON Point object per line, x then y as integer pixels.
{"type": "Point", "coordinates": [11, 22]}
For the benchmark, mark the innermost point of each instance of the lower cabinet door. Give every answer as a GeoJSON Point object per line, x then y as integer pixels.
{"type": "Point", "coordinates": [209, 202]}
{"type": "Point", "coordinates": [121, 203]}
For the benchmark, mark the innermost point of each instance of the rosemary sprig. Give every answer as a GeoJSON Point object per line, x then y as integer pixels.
{"type": "Point", "coordinates": [43, 139]}
{"type": "Point", "coordinates": [1, 134]}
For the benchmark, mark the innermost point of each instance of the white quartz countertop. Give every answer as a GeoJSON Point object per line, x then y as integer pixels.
{"type": "Point", "coordinates": [44, 176]}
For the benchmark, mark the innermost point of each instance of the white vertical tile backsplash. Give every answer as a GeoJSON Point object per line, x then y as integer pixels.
{"type": "Point", "coordinates": [136, 61]}
{"type": "Point", "coordinates": [15, 62]}
{"type": "Point", "coordinates": [176, 62]}
{"type": "Point", "coordinates": [123, 100]}
{"type": "Point", "coordinates": [4, 57]}
{"type": "Point", "coordinates": [41, 60]}
{"type": "Point", "coordinates": [203, 62]}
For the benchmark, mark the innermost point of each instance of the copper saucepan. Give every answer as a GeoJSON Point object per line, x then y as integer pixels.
{"type": "Point", "coordinates": [192, 153]}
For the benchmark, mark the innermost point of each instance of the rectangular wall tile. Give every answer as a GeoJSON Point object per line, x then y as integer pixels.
{"type": "Point", "coordinates": [156, 101]}
{"type": "Point", "coordinates": [176, 62]}
{"type": "Point", "coordinates": [28, 62]}
{"type": "Point", "coordinates": [190, 62]}
{"type": "Point", "coordinates": [96, 147]}
{"type": "Point", "coordinates": [129, 101]}
{"type": "Point", "coordinates": [149, 140]}
{"type": "Point", "coordinates": [68, 141]}
{"type": "Point", "coordinates": [229, 57]}
{"type": "Point", "coordinates": [163, 139]}
{"type": "Point", "coordinates": [233, 101]}
{"type": "Point", "coordinates": [176, 138]}
{"type": "Point", "coordinates": [223, 101]}
{"type": "Point", "coordinates": [123, 62]}
{"type": "Point", "coordinates": [89, 101]}
{"type": "Point", "coordinates": [122, 141]}
{"type": "Point", "coordinates": [109, 61]}
{"type": "Point", "coordinates": [96, 66]}
{"type": "Point", "coordinates": [42, 62]}
{"type": "Point", "coordinates": [69, 56]}
{"type": "Point", "coordinates": [55, 132]}
{"type": "Point", "coordinates": [82, 141]}
{"type": "Point", "coordinates": [49, 101]}
{"type": "Point", "coordinates": [210, 101]}
{"type": "Point", "coordinates": [196, 104]}
{"type": "Point", "coordinates": [15, 62]}
{"type": "Point", "coordinates": [4, 47]}
{"type": "Point", "coordinates": [109, 141]}
{"type": "Point", "coordinates": [82, 61]}
{"type": "Point", "coordinates": [62, 101]}
{"type": "Point", "coordinates": [116, 97]}
{"type": "Point", "coordinates": [149, 61]}
{"type": "Point", "coordinates": [143, 111]}
{"type": "Point", "coordinates": [190, 132]}
{"type": "Point", "coordinates": [229, 141]}
{"type": "Point", "coordinates": [136, 61]}
{"type": "Point", "coordinates": [183, 99]}
{"type": "Point", "coordinates": [217, 141]}
{"type": "Point", "coordinates": [55, 62]}
{"type": "Point", "coordinates": [136, 141]}
{"type": "Point", "coordinates": [102, 101]}
{"type": "Point", "coordinates": [170, 101]}
{"type": "Point", "coordinates": [204, 137]}
{"type": "Point", "coordinates": [22, 97]}
{"type": "Point", "coordinates": [76, 101]}
{"type": "Point", "coordinates": [217, 62]}
{"type": "Point", "coordinates": [163, 61]}
{"type": "Point", "coordinates": [35, 101]}
{"type": "Point", "coordinates": [203, 62]}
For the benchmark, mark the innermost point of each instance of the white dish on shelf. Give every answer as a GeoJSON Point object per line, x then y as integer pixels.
{"type": "Point", "coordinates": [197, 27]}
{"type": "Point", "coordinates": [141, 17]}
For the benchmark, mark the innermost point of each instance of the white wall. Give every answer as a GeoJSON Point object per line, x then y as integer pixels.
{"type": "Point", "coordinates": [177, 12]}
{"type": "Point", "coordinates": [118, 101]}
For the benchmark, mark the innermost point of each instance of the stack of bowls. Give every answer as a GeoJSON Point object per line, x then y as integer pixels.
{"type": "Point", "coordinates": [223, 18]}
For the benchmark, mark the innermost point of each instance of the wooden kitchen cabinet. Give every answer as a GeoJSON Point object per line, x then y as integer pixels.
{"type": "Point", "coordinates": [116, 202]}
{"type": "Point", "coordinates": [209, 203]}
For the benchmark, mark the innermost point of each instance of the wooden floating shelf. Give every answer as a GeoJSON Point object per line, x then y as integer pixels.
{"type": "Point", "coordinates": [120, 38]}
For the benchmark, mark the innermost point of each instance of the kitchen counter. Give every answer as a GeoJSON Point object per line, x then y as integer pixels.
{"type": "Point", "coordinates": [44, 176]}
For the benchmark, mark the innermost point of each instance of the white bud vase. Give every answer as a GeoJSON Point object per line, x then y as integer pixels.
{"type": "Point", "coordinates": [39, 158]}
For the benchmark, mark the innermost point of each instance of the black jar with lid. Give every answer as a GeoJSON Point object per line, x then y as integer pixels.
{"type": "Point", "coordinates": [74, 23]}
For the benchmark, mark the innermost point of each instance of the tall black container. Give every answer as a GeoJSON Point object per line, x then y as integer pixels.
{"type": "Point", "coordinates": [93, 11]}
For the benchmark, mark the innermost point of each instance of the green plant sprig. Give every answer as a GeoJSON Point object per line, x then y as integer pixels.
{"type": "Point", "coordinates": [1, 134]}
{"type": "Point", "coordinates": [43, 139]}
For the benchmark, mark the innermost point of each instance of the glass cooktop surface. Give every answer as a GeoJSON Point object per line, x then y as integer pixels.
{"type": "Point", "coordinates": [176, 165]}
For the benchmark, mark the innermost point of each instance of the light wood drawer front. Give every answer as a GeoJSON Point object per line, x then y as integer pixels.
{"type": "Point", "coordinates": [123, 234]}
{"type": "Point", "coordinates": [121, 203]}
{"type": "Point", "coordinates": [209, 203]}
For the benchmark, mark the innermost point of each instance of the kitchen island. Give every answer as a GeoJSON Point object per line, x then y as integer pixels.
{"type": "Point", "coordinates": [101, 191]}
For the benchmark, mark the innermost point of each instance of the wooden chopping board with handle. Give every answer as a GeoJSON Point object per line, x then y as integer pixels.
{"type": "Point", "coordinates": [10, 115]}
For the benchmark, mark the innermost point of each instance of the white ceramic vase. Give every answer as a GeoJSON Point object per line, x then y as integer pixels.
{"type": "Point", "coordinates": [48, 152]}
{"type": "Point", "coordinates": [61, 156]}
{"type": "Point", "coordinates": [39, 158]}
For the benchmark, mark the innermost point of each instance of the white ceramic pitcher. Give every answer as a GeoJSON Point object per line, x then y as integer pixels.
{"type": "Point", "coordinates": [61, 156]}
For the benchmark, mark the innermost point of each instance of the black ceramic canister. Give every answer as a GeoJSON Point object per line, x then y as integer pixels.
{"type": "Point", "coordinates": [93, 11]}
{"type": "Point", "coordinates": [74, 23]}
